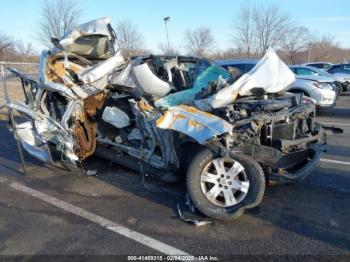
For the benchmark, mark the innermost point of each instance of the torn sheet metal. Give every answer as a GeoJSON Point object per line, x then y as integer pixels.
{"type": "Point", "coordinates": [31, 143]}
{"type": "Point", "coordinates": [270, 73]}
{"type": "Point", "coordinates": [193, 221]}
{"type": "Point", "coordinates": [48, 130]}
{"type": "Point", "coordinates": [123, 77]}
{"type": "Point", "coordinates": [94, 27]}
{"type": "Point", "coordinates": [199, 125]}
{"type": "Point", "coordinates": [62, 89]}
{"type": "Point", "coordinates": [92, 74]}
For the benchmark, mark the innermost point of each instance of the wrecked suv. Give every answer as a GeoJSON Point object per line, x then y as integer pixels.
{"type": "Point", "coordinates": [168, 117]}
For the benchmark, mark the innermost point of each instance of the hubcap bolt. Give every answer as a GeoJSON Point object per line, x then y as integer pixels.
{"type": "Point", "coordinates": [222, 176]}
{"type": "Point", "coordinates": [220, 185]}
{"type": "Point", "coordinates": [218, 180]}
{"type": "Point", "coordinates": [228, 177]}
{"type": "Point", "coordinates": [225, 187]}
{"type": "Point", "coordinates": [229, 183]}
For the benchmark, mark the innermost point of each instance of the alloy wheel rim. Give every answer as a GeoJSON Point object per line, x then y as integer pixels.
{"type": "Point", "coordinates": [224, 182]}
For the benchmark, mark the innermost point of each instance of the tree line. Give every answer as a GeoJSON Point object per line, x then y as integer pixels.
{"type": "Point", "coordinates": [253, 29]}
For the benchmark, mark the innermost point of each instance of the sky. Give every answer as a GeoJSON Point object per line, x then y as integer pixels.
{"type": "Point", "coordinates": [323, 17]}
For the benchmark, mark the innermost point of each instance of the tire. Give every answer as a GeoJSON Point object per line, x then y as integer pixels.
{"type": "Point", "coordinates": [338, 88]}
{"type": "Point", "coordinates": [252, 173]}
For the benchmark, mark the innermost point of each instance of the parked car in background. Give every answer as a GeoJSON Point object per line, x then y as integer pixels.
{"type": "Point", "coordinates": [341, 70]}
{"type": "Point", "coordinates": [243, 65]}
{"type": "Point", "coordinates": [314, 73]}
{"type": "Point", "coordinates": [320, 89]}
{"type": "Point", "coordinates": [320, 65]}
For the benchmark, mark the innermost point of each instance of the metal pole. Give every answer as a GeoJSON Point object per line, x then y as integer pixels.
{"type": "Point", "coordinates": [2, 70]}
{"type": "Point", "coordinates": [19, 147]}
{"type": "Point", "coordinates": [166, 19]}
{"type": "Point", "coordinates": [309, 54]}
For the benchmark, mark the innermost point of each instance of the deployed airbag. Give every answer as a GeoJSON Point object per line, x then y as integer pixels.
{"type": "Point", "coordinates": [149, 82]}
{"type": "Point", "coordinates": [270, 73]}
{"type": "Point", "coordinates": [116, 117]}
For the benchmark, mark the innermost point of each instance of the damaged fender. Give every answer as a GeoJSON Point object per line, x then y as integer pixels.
{"type": "Point", "coordinates": [201, 126]}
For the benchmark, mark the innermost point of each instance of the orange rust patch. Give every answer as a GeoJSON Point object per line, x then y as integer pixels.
{"type": "Point", "coordinates": [92, 103]}
{"type": "Point", "coordinates": [191, 109]}
{"type": "Point", "coordinates": [55, 70]}
{"type": "Point", "coordinates": [175, 118]}
{"type": "Point", "coordinates": [194, 110]}
{"type": "Point", "coordinates": [160, 120]}
{"type": "Point", "coordinates": [194, 123]}
{"type": "Point", "coordinates": [85, 132]}
{"type": "Point", "coordinates": [143, 105]}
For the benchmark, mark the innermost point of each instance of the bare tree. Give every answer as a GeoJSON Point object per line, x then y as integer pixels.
{"type": "Point", "coordinates": [199, 42]}
{"type": "Point", "coordinates": [129, 38]}
{"type": "Point", "coordinates": [168, 50]}
{"type": "Point", "coordinates": [244, 29]}
{"type": "Point", "coordinates": [294, 40]}
{"type": "Point", "coordinates": [57, 18]}
{"type": "Point", "coordinates": [25, 50]}
{"type": "Point", "coordinates": [229, 53]}
{"type": "Point", "coordinates": [270, 25]}
{"type": "Point", "coordinates": [324, 48]}
{"type": "Point", "coordinates": [6, 43]}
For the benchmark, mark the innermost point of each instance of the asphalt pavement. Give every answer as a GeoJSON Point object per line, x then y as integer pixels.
{"type": "Point", "coordinates": [52, 211]}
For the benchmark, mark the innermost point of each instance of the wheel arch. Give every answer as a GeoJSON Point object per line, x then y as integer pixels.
{"type": "Point", "coordinates": [299, 90]}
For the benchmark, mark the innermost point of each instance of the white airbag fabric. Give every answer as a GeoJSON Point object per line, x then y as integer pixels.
{"type": "Point", "coordinates": [270, 73]}
{"type": "Point", "coordinates": [149, 82]}
{"type": "Point", "coordinates": [116, 117]}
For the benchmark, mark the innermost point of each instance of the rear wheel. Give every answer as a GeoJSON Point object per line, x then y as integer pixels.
{"type": "Point", "coordinates": [222, 187]}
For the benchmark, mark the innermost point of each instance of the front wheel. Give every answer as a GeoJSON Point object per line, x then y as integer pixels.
{"type": "Point", "coordinates": [222, 187]}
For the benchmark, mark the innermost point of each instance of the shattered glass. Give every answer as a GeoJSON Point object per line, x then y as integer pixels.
{"type": "Point", "coordinates": [206, 72]}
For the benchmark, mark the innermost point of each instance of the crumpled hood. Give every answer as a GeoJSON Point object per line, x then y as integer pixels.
{"type": "Point", "coordinates": [94, 27]}
{"type": "Point", "coordinates": [270, 73]}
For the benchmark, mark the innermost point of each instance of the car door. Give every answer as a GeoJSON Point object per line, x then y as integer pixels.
{"type": "Point", "coordinates": [336, 69]}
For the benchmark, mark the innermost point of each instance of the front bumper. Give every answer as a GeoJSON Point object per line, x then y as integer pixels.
{"type": "Point", "coordinates": [297, 165]}
{"type": "Point", "coordinates": [283, 175]}
{"type": "Point", "coordinates": [326, 106]}
{"type": "Point", "coordinates": [324, 98]}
